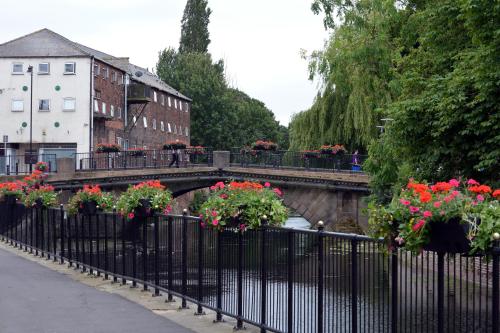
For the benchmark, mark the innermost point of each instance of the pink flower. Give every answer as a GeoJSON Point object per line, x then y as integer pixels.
{"type": "Point", "coordinates": [223, 196]}
{"type": "Point", "coordinates": [202, 224]}
{"type": "Point", "coordinates": [427, 213]}
{"type": "Point", "coordinates": [448, 198]}
{"type": "Point", "coordinates": [441, 213]}
{"type": "Point", "coordinates": [131, 215]}
{"type": "Point", "coordinates": [418, 225]}
{"type": "Point", "coordinates": [219, 185]}
{"type": "Point", "coordinates": [399, 240]}
{"type": "Point", "coordinates": [404, 201]}
{"type": "Point", "coordinates": [212, 188]}
{"type": "Point", "coordinates": [472, 182]}
{"type": "Point", "coordinates": [453, 182]}
{"type": "Point", "coordinates": [214, 213]}
{"type": "Point", "coordinates": [242, 227]}
{"type": "Point", "coordinates": [215, 222]}
{"type": "Point", "coordinates": [278, 192]}
{"type": "Point", "coordinates": [455, 193]}
{"type": "Point", "coordinates": [167, 210]}
{"type": "Point", "coordinates": [414, 209]}
{"type": "Point", "coordinates": [267, 184]}
{"type": "Point", "coordinates": [474, 203]}
{"type": "Point", "coordinates": [437, 204]}
{"type": "Point", "coordinates": [480, 198]}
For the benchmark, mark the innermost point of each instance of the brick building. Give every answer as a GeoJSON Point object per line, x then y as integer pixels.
{"type": "Point", "coordinates": [82, 97]}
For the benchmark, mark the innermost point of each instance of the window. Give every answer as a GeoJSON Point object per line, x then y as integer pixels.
{"type": "Point", "coordinates": [119, 141]}
{"type": "Point", "coordinates": [169, 102]}
{"type": "Point", "coordinates": [17, 105]}
{"type": "Point", "coordinates": [96, 105]}
{"type": "Point", "coordinates": [119, 111]}
{"type": "Point", "coordinates": [187, 132]}
{"type": "Point", "coordinates": [155, 96]}
{"type": "Point", "coordinates": [187, 106]}
{"type": "Point", "coordinates": [121, 79]}
{"type": "Point", "coordinates": [70, 68]}
{"type": "Point", "coordinates": [69, 104]}
{"type": "Point", "coordinates": [97, 70]}
{"type": "Point", "coordinates": [175, 129]}
{"type": "Point", "coordinates": [180, 105]}
{"type": "Point", "coordinates": [175, 103]}
{"type": "Point", "coordinates": [169, 128]}
{"type": "Point", "coordinates": [105, 73]}
{"type": "Point", "coordinates": [112, 110]}
{"type": "Point", "coordinates": [103, 108]}
{"type": "Point", "coordinates": [44, 68]}
{"type": "Point", "coordinates": [162, 99]}
{"type": "Point", "coordinates": [17, 68]}
{"type": "Point", "coordinates": [154, 124]}
{"type": "Point", "coordinates": [113, 76]}
{"type": "Point", "coordinates": [43, 105]}
{"type": "Point", "coordinates": [145, 122]}
{"type": "Point", "coordinates": [97, 94]}
{"type": "Point", "coordinates": [134, 120]}
{"type": "Point", "coordinates": [162, 126]}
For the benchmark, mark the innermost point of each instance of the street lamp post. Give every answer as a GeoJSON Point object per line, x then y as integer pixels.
{"type": "Point", "coordinates": [30, 70]}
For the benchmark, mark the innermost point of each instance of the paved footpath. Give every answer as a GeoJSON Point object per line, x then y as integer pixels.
{"type": "Point", "coordinates": [36, 299]}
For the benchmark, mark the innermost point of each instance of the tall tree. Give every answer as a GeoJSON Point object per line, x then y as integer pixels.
{"type": "Point", "coordinates": [194, 33]}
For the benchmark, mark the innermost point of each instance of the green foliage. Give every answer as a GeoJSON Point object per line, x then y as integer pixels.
{"type": "Point", "coordinates": [198, 199]}
{"type": "Point", "coordinates": [152, 191]}
{"type": "Point", "coordinates": [45, 194]}
{"type": "Point", "coordinates": [490, 224]}
{"type": "Point", "coordinates": [194, 32]}
{"type": "Point", "coordinates": [90, 193]}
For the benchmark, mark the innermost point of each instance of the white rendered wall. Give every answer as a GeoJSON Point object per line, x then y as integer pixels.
{"type": "Point", "coordinates": [73, 125]}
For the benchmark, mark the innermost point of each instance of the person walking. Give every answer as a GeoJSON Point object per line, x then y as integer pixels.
{"type": "Point", "coordinates": [175, 154]}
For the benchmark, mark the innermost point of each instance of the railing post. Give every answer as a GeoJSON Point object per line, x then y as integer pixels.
{"type": "Point", "coordinates": [354, 285]}
{"type": "Point", "coordinates": [263, 269]}
{"type": "Point", "coordinates": [115, 279]}
{"type": "Point", "coordinates": [106, 248]}
{"type": "Point", "coordinates": [91, 246]}
{"type": "Point", "coordinates": [124, 280]}
{"type": "Point", "coordinates": [184, 259]}
{"type": "Point", "coordinates": [134, 258]}
{"type": "Point", "coordinates": [32, 228]}
{"type": "Point", "coordinates": [144, 161]}
{"type": "Point", "coordinates": [319, 324]}
{"type": "Point", "coordinates": [77, 243]}
{"type": "Point", "coordinates": [394, 290]}
{"type": "Point", "coordinates": [199, 310]}
{"type": "Point", "coordinates": [157, 255]}
{"type": "Point", "coordinates": [290, 260]}
{"type": "Point", "coordinates": [440, 293]}
{"type": "Point", "coordinates": [7, 169]}
{"type": "Point", "coordinates": [25, 230]}
{"type": "Point", "coordinates": [145, 254]}
{"type": "Point", "coordinates": [70, 250]}
{"type": "Point", "coordinates": [170, 222]}
{"type": "Point", "coordinates": [82, 242]}
{"type": "Point", "coordinates": [239, 283]}
{"type": "Point", "coordinates": [54, 236]}
{"type": "Point", "coordinates": [219, 276]}
{"type": "Point", "coordinates": [61, 230]}
{"type": "Point", "coordinates": [495, 287]}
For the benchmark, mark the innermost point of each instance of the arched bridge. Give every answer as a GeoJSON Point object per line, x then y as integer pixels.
{"type": "Point", "coordinates": [335, 198]}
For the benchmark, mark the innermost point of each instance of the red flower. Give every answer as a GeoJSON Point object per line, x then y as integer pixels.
{"type": "Point", "coordinates": [480, 189]}
{"type": "Point", "coordinates": [418, 225]}
{"type": "Point", "coordinates": [267, 184]}
{"type": "Point", "coordinates": [425, 197]}
{"type": "Point", "coordinates": [441, 187]}
{"type": "Point", "coordinates": [496, 193]}
{"type": "Point", "coordinates": [131, 215]}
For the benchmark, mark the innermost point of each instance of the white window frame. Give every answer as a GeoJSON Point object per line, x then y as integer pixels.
{"type": "Point", "coordinates": [187, 106]}
{"type": "Point", "coordinates": [187, 132]}
{"type": "Point", "coordinates": [43, 110]}
{"type": "Point", "coordinates": [169, 102]}
{"type": "Point", "coordinates": [145, 122]}
{"type": "Point", "coordinates": [44, 72]}
{"type": "Point", "coordinates": [14, 109]}
{"type": "Point", "coordinates": [119, 112]}
{"type": "Point", "coordinates": [112, 110]}
{"type": "Point", "coordinates": [16, 64]}
{"type": "Point", "coordinates": [66, 72]}
{"type": "Point", "coordinates": [169, 128]}
{"type": "Point", "coordinates": [175, 103]}
{"type": "Point", "coordinates": [67, 99]}
{"type": "Point", "coordinates": [96, 105]}
{"type": "Point", "coordinates": [180, 105]}
{"type": "Point", "coordinates": [154, 124]}
{"type": "Point", "coordinates": [155, 96]}
{"type": "Point", "coordinates": [97, 70]}
{"type": "Point", "coordinates": [113, 76]}
{"type": "Point", "coordinates": [162, 126]}
{"type": "Point", "coordinates": [105, 72]}
{"type": "Point", "coordinates": [175, 129]}
{"type": "Point", "coordinates": [162, 99]}
{"type": "Point", "coordinates": [103, 108]}
{"type": "Point", "coordinates": [134, 120]}
{"type": "Point", "coordinates": [119, 141]}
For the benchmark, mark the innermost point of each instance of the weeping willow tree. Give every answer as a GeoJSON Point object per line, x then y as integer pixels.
{"type": "Point", "coordinates": [354, 70]}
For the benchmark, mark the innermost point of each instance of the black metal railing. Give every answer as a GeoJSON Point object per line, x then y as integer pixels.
{"type": "Point", "coordinates": [143, 159]}
{"type": "Point", "coordinates": [278, 279]}
{"type": "Point", "coordinates": [20, 164]}
{"type": "Point", "coordinates": [297, 160]}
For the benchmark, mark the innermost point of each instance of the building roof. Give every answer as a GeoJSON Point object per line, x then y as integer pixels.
{"type": "Point", "coordinates": [46, 43]}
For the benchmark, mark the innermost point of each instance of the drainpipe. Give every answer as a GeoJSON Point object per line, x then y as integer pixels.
{"type": "Point", "coordinates": [91, 116]}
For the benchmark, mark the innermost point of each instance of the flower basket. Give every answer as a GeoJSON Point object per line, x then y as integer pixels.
{"type": "Point", "coordinates": [88, 207]}
{"type": "Point", "coordinates": [42, 166]}
{"type": "Point", "coordinates": [174, 146]}
{"type": "Point", "coordinates": [136, 152]}
{"type": "Point", "coordinates": [9, 200]}
{"type": "Point", "coordinates": [311, 154]}
{"type": "Point", "coordinates": [107, 148]}
{"type": "Point", "coordinates": [198, 150]}
{"type": "Point", "coordinates": [448, 237]}
{"type": "Point", "coordinates": [243, 205]}
{"type": "Point", "coordinates": [144, 209]}
{"type": "Point", "coordinates": [264, 145]}
{"type": "Point", "coordinates": [41, 196]}
{"type": "Point", "coordinates": [144, 199]}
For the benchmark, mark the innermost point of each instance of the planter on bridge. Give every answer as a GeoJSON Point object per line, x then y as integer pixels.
{"type": "Point", "coordinates": [145, 199]}
{"type": "Point", "coordinates": [243, 205]}
{"type": "Point", "coordinates": [447, 217]}
{"type": "Point", "coordinates": [107, 148]}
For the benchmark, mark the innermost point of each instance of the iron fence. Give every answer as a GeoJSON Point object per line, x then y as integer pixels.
{"type": "Point", "coordinates": [286, 159]}
{"type": "Point", "coordinates": [20, 164]}
{"type": "Point", "coordinates": [143, 159]}
{"type": "Point", "coordinates": [278, 279]}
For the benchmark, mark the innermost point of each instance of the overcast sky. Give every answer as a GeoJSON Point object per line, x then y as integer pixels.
{"type": "Point", "coordinates": [259, 40]}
